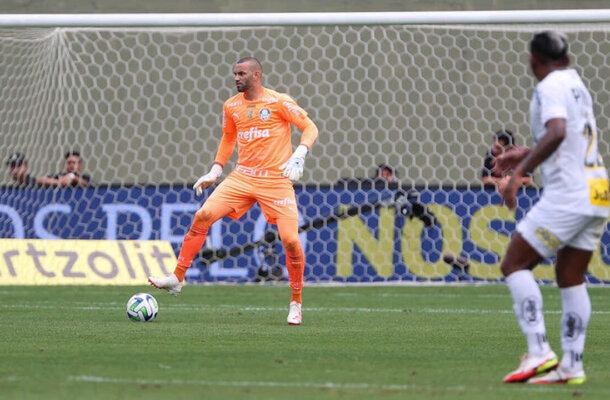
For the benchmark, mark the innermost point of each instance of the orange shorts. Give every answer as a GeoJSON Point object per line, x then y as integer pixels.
{"type": "Point", "coordinates": [275, 195]}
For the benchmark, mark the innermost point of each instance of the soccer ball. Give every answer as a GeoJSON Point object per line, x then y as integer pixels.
{"type": "Point", "coordinates": [142, 307]}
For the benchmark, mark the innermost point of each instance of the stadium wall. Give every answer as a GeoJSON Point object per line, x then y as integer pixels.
{"type": "Point", "coordinates": [374, 244]}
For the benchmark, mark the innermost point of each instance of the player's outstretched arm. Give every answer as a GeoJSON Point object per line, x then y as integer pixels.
{"type": "Point", "coordinates": [208, 179]}
{"type": "Point", "coordinates": [225, 149]}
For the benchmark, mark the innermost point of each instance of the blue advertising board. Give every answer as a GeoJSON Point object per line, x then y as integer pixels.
{"type": "Point", "coordinates": [344, 243]}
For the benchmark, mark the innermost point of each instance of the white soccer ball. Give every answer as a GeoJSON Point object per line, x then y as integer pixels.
{"type": "Point", "coordinates": [142, 307]}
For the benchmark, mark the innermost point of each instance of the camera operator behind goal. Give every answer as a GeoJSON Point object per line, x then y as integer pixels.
{"type": "Point", "coordinates": [407, 201]}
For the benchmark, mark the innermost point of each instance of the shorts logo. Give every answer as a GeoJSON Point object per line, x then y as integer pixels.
{"type": "Point", "coordinates": [551, 241]}
{"type": "Point", "coordinates": [284, 202]}
{"type": "Point", "coordinates": [264, 114]}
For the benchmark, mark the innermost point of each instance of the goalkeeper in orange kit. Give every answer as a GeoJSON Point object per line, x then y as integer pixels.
{"type": "Point", "coordinates": [259, 121]}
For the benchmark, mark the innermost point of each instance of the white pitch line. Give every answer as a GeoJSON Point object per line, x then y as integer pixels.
{"type": "Point", "coordinates": [333, 385]}
{"type": "Point", "coordinates": [301, 385]}
{"type": "Point", "coordinates": [180, 382]}
{"type": "Point", "coordinates": [229, 307]}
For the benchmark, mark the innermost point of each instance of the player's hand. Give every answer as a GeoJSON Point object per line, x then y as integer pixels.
{"type": "Point", "coordinates": [509, 192]}
{"type": "Point", "coordinates": [293, 168]}
{"type": "Point", "coordinates": [502, 183]}
{"type": "Point", "coordinates": [508, 160]}
{"type": "Point", "coordinates": [207, 179]}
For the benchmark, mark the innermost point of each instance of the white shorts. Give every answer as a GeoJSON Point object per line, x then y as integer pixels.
{"type": "Point", "coordinates": [548, 230]}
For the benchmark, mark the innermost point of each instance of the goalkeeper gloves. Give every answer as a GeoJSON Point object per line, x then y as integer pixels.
{"type": "Point", "coordinates": [293, 168]}
{"type": "Point", "coordinates": [207, 179]}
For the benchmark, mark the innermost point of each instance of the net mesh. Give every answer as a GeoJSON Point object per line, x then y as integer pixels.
{"type": "Point", "coordinates": [143, 107]}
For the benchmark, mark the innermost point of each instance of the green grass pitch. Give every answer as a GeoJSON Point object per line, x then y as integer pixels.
{"type": "Point", "coordinates": [232, 342]}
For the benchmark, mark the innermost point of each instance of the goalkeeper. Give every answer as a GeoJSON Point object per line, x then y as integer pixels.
{"type": "Point", "coordinates": [259, 121]}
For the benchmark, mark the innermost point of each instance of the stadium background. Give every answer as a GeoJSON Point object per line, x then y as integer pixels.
{"type": "Point", "coordinates": [400, 104]}
{"type": "Point", "coordinates": [394, 119]}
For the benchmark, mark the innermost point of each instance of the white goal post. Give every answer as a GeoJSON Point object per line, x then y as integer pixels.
{"type": "Point", "coordinates": [308, 19]}
{"type": "Point", "coordinates": [140, 97]}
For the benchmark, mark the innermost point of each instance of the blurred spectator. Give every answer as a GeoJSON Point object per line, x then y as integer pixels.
{"type": "Point", "coordinates": [18, 168]}
{"type": "Point", "coordinates": [384, 176]}
{"type": "Point", "coordinates": [385, 173]}
{"type": "Point", "coordinates": [71, 175]}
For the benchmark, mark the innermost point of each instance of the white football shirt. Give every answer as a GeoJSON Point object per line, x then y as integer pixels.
{"type": "Point", "coordinates": [574, 177]}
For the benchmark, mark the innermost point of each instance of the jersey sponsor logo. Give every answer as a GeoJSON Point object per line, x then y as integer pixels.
{"type": "Point", "coordinates": [261, 173]}
{"type": "Point", "coordinates": [270, 100]}
{"type": "Point", "coordinates": [264, 114]}
{"type": "Point", "coordinates": [234, 103]}
{"type": "Point", "coordinates": [599, 192]}
{"type": "Point", "coordinates": [293, 108]}
{"type": "Point", "coordinates": [253, 133]}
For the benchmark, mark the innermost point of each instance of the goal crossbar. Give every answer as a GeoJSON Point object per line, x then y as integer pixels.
{"type": "Point", "coordinates": [308, 18]}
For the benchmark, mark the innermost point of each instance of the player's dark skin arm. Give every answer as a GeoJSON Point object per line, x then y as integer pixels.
{"type": "Point", "coordinates": [555, 133]}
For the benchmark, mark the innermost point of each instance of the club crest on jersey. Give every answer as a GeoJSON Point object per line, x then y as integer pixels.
{"type": "Point", "coordinates": [264, 114]}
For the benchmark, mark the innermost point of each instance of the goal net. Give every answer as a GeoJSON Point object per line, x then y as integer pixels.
{"type": "Point", "coordinates": [143, 108]}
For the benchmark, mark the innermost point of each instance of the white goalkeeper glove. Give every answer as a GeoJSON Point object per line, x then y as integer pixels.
{"type": "Point", "coordinates": [207, 179]}
{"type": "Point", "coordinates": [293, 168]}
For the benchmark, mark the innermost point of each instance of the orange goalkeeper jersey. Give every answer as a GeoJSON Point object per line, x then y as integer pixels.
{"type": "Point", "coordinates": [262, 130]}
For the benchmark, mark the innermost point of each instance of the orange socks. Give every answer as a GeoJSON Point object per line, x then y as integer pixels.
{"type": "Point", "coordinates": [193, 241]}
{"type": "Point", "coordinates": [295, 263]}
